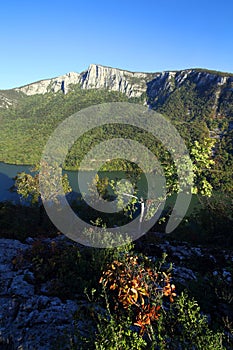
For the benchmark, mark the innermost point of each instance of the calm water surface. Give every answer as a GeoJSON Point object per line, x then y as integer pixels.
{"type": "Point", "coordinates": [9, 171]}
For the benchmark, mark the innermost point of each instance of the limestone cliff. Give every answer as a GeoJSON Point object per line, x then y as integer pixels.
{"type": "Point", "coordinates": [214, 87]}
{"type": "Point", "coordinates": [100, 77]}
{"type": "Point", "coordinates": [50, 85]}
{"type": "Point", "coordinates": [96, 77]}
{"type": "Point", "coordinates": [133, 84]}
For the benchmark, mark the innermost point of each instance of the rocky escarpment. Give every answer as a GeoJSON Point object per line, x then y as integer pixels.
{"type": "Point", "coordinates": [190, 86]}
{"type": "Point", "coordinates": [214, 87]}
{"type": "Point", "coordinates": [96, 77]}
{"type": "Point", "coordinates": [100, 77]}
{"type": "Point", "coordinates": [29, 320]}
{"type": "Point", "coordinates": [132, 84]}
{"type": "Point", "coordinates": [51, 85]}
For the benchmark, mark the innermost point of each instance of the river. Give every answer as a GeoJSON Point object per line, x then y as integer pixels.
{"type": "Point", "coordinates": [9, 171]}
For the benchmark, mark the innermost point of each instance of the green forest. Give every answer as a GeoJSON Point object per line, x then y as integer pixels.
{"type": "Point", "coordinates": [136, 295]}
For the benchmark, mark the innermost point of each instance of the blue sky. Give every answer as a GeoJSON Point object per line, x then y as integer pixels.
{"type": "Point", "coordinates": [43, 39]}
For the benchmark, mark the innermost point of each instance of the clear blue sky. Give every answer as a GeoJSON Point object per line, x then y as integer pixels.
{"type": "Point", "coordinates": [43, 39]}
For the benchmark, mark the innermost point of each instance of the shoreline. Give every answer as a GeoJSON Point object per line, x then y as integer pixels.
{"type": "Point", "coordinates": [64, 169]}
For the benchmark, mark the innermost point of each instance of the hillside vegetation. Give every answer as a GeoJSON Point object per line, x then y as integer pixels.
{"type": "Point", "coordinates": [199, 107]}
{"type": "Point", "coordinates": [162, 291]}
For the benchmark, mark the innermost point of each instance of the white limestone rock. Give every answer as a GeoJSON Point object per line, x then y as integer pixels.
{"type": "Point", "coordinates": [157, 86]}
{"type": "Point", "coordinates": [51, 85]}
{"type": "Point", "coordinates": [100, 77]}
{"type": "Point", "coordinates": [96, 77]}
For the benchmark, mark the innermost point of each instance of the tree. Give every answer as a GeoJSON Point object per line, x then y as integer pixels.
{"type": "Point", "coordinates": [27, 186]}
{"type": "Point", "coordinates": [201, 155]}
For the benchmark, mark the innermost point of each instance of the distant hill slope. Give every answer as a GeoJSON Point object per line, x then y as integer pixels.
{"type": "Point", "coordinates": [200, 103]}
{"type": "Point", "coordinates": [197, 92]}
{"type": "Point", "coordinates": [96, 77]}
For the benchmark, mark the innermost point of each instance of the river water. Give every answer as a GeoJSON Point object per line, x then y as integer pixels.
{"type": "Point", "coordinates": [9, 171]}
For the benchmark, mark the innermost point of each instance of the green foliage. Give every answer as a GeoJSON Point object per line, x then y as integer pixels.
{"type": "Point", "coordinates": [221, 176]}
{"type": "Point", "coordinates": [184, 327]}
{"type": "Point", "coordinates": [69, 269]}
{"type": "Point", "coordinates": [202, 162]}
{"type": "Point", "coordinates": [115, 334]}
{"type": "Point", "coordinates": [138, 286]}
{"type": "Point", "coordinates": [132, 289]}
{"type": "Point", "coordinates": [126, 193]}
{"type": "Point", "coordinates": [210, 222]}
{"type": "Point", "coordinates": [179, 325]}
{"type": "Point", "coordinates": [27, 185]}
{"type": "Point", "coordinates": [215, 72]}
{"type": "Point", "coordinates": [35, 117]}
{"type": "Point", "coordinates": [191, 106]}
{"type": "Point", "coordinates": [58, 265]}
{"type": "Point", "coordinates": [20, 222]}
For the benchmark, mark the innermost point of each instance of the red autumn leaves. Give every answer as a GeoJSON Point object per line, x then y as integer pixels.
{"type": "Point", "coordinates": [132, 285]}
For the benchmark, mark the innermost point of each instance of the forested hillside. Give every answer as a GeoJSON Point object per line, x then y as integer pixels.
{"type": "Point", "coordinates": [199, 103]}
{"type": "Point", "coordinates": [172, 291]}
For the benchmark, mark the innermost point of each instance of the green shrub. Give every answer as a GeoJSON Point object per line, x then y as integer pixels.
{"type": "Point", "coordinates": [183, 326]}
{"type": "Point", "coordinates": [117, 335]}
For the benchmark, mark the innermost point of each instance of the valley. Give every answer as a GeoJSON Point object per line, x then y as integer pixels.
{"type": "Point", "coordinates": [159, 291]}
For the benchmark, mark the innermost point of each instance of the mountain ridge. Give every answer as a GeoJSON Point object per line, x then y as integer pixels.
{"type": "Point", "coordinates": [132, 84]}
{"type": "Point", "coordinates": [198, 69]}
{"type": "Point", "coordinates": [198, 102]}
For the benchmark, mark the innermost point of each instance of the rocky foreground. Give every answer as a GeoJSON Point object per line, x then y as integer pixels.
{"type": "Point", "coordinates": [31, 319]}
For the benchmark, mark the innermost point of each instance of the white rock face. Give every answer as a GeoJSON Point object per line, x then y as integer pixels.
{"type": "Point", "coordinates": [223, 81]}
{"type": "Point", "coordinates": [132, 84]}
{"type": "Point", "coordinates": [158, 86]}
{"type": "Point", "coordinates": [100, 77]}
{"type": "Point", "coordinates": [5, 102]}
{"type": "Point", "coordinates": [96, 77]}
{"type": "Point", "coordinates": [182, 76]}
{"type": "Point", "coordinates": [51, 85]}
